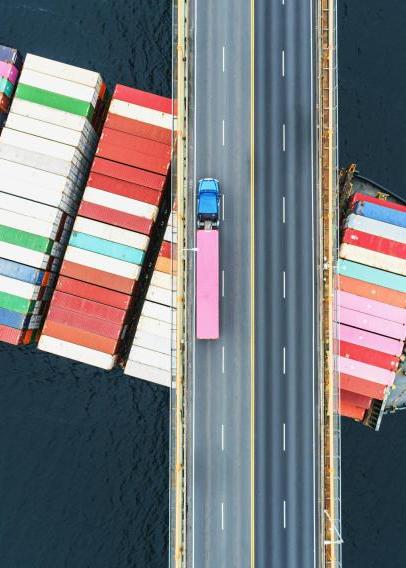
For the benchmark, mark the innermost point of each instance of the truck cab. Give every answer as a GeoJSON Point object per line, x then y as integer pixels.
{"type": "Point", "coordinates": [208, 203]}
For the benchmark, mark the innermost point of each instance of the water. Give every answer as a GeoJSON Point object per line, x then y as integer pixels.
{"type": "Point", "coordinates": [372, 128]}
{"type": "Point", "coordinates": [84, 459]}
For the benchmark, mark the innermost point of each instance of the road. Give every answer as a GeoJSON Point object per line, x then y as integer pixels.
{"type": "Point", "coordinates": [286, 389]}
{"type": "Point", "coordinates": [276, 438]}
{"type": "Point", "coordinates": [221, 376]}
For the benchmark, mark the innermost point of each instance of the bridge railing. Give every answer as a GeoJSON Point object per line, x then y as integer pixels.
{"type": "Point", "coordinates": [330, 482]}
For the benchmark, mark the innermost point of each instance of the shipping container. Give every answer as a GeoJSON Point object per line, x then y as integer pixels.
{"type": "Point", "coordinates": [63, 71]}
{"type": "Point", "coordinates": [144, 99]}
{"type": "Point", "coordinates": [85, 322]}
{"type": "Point", "coordinates": [9, 71]}
{"type": "Point", "coordinates": [148, 373]}
{"type": "Point", "coordinates": [361, 386]}
{"type": "Point", "coordinates": [137, 112]}
{"type": "Point", "coordinates": [368, 339]}
{"type": "Point", "coordinates": [154, 327]}
{"type": "Point", "coordinates": [366, 306]}
{"type": "Point", "coordinates": [129, 173]}
{"type": "Point", "coordinates": [32, 225]}
{"type": "Point", "coordinates": [10, 55]}
{"type": "Point", "coordinates": [88, 307]}
{"type": "Point", "coordinates": [165, 265]}
{"type": "Point", "coordinates": [93, 292]}
{"type": "Point", "coordinates": [76, 352]}
{"type": "Point", "coordinates": [116, 218]}
{"type": "Point", "coordinates": [161, 295]}
{"type": "Point", "coordinates": [17, 336]}
{"type": "Point", "coordinates": [107, 248]}
{"type": "Point", "coordinates": [351, 411]}
{"type": "Point", "coordinates": [157, 164]}
{"type": "Point", "coordinates": [149, 357]}
{"type": "Point", "coordinates": [54, 100]}
{"type": "Point", "coordinates": [371, 291]}
{"type": "Point", "coordinates": [371, 242]}
{"type": "Point", "coordinates": [125, 188]}
{"type": "Point", "coordinates": [25, 273]}
{"type": "Point", "coordinates": [120, 203]}
{"type": "Point", "coordinates": [380, 213]}
{"type": "Point", "coordinates": [377, 228]}
{"type": "Point", "coordinates": [111, 233]}
{"type": "Point", "coordinates": [110, 137]}
{"type": "Point", "coordinates": [27, 207]}
{"type": "Point", "coordinates": [356, 399]}
{"type": "Point", "coordinates": [102, 262]}
{"type": "Point", "coordinates": [366, 355]}
{"type": "Point", "coordinates": [163, 280]}
{"type": "Point", "coordinates": [80, 337]}
{"type": "Point", "coordinates": [154, 342]}
{"type": "Point", "coordinates": [158, 311]}
{"type": "Point", "coordinates": [373, 259]}
{"type": "Point", "coordinates": [98, 276]}
{"type": "Point", "coordinates": [143, 129]}
{"type": "Point", "coordinates": [372, 275]}
{"type": "Point", "coordinates": [362, 197]}
{"type": "Point", "coordinates": [371, 323]}
{"type": "Point", "coordinates": [365, 371]}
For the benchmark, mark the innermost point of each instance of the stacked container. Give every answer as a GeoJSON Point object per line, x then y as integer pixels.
{"type": "Point", "coordinates": [152, 351]}
{"type": "Point", "coordinates": [371, 301]}
{"type": "Point", "coordinates": [10, 67]}
{"type": "Point", "coordinates": [92, 305]}
{"type": "Point", "coordinates": [46, 149]}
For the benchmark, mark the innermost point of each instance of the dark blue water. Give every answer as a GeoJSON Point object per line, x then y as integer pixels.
{"type": "Point", "coordinates": [372, 128]}
{"type": "Point", "coordinates": [84, 459]}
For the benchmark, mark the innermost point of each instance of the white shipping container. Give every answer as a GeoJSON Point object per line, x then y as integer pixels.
{"type": "Point", "coordinates": [373, 258]}
{"type": "Point", "coordinates": [149, 357]}
{"type": "Point", "coordinates": [23, 255]}
{"type": "Point", "coordinates": [47, 196]}
{"type": "Point", "coordinates": [57, 85]}
{"type": "Point", "coordinates": [29, 224]}
{"type": "Point", "coordinates": [377, 228]}
{"type": "Point", "coordinates": [158, 311]}
{"type": "Point", "coordinates": [29, 208]}
{"type": "Point", "coordinates": [111, 233]}
{"type": "Point", "coordinates": [44, 146]}
{"type": "Point", "coordinates": [52, 132]}
{"type": "Point", "coordinates": [143, 114]}
{"type": "Point", "coordinates": [76, 352]}
{"type": "Point", "coordinates": [120, 203]}
{"type": "Point", "coordinates": [16, 172]}
{"type": "Point", "coordinates": [19, 288]}
{"type": "Point", "coordinates": [148, 373]}
{"type": "Point", "coordinates": [154, 326]}
{"type": "Point", "coordinates": [153, 342]}
{"type": "Point", "coordinates": [40, 161]}
{"type": "Point", "coordinates": [101, 262]}
{"type": "Point", "coordinates": [63, 70]}
{"type": "Point", "coordinates": [170, 235]}
{"type": "Point", "coordinates": [161, 296]}
{"type": "Point", "coordinates": [54, 116]}
{"type": "Point", "coordinates": [163, 280]}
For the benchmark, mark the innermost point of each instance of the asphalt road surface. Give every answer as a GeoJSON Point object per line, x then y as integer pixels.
{"type": "Point", "coordinates": [286, 392]}
{"type": "Point", "coordinates": [285, 524]}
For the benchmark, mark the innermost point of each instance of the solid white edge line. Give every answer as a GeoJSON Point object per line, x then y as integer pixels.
{"type": "Point", "coordinates": [283, 62]}
{"type": "Point", "coordinates": [222, 283]}
{"type": "Point", "coordinates": [284, 437]}
{"type": "Point", "coordinates": [222, 515]}
{"type": "Point", "coordinates": [284, 514]}
{"type": "Point", "coordinates": [224, 57]}
{"type": "Point", "coordinates": [194, 295]}
{"type": "Point", "coordinates": [222, 360]}
{"type": "Point", "coordinates": [283, 210]}
{"type": "Point", "coordinates": [284, 360]}
{"type": "Point", "coordinates": [284, 137]}
{"type": "Point", "coordinates": [223, 132]}
{"type": "Point", "coordinates": [222, 437]}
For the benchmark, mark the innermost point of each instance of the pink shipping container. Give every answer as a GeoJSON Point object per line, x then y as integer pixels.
{"type": "Point", "coordinates": [370, 340]}
{"type": "Point", "coordinates": [365, 371]}
{"type": "Point", "coordinates": [367, 306]}
{"type": "Point", "coordinates": [372, 323]}
{"type": "Point", "coordinates": [207, 285]}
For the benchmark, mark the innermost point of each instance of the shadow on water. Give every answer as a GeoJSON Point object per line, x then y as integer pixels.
{"type": "Point", "coordinates": [372, 129]}
{"type": "Point", "coordinates": [83, 466]}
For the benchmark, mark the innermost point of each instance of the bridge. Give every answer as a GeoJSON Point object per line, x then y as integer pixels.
{"type": "Point", "coordinates": [255, 439]}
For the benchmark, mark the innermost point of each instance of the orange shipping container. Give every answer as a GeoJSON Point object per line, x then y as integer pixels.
{"type": "Point", "coordinates": [371, 291]}
{"type": "Point", "coordinates": [351, 411]}
{"type": "Point", "coordinates": [356, 399]}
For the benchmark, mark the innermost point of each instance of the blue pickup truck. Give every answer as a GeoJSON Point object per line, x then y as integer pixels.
{"type": "Point", "coordinates": [208, 203]}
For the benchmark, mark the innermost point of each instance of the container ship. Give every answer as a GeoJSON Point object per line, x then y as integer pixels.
{"type": "Point", "coordinates": [370, 327]}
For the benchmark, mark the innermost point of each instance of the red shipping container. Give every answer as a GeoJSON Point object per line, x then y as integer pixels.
{"type": "Point", "coordinates": [80, 337]}
{"type": "Point", "coordinates": [362, 197]}
{"type": "Point", "coordinates": [125, 188]}
{"type": "Point", "coordinates": [128, 173]}
{"type": "Point", "coordinates": [142, 98]}
{"type": "Point", "coordinates": [88, 307]}
{"type": "Point", "coordinates": [372, 242]}
{"type": "Point", "coordinates": [133, 142]}
{"type": "Point", "coordinates": [367, 355]}
{"type": "Point", "coordinates": [351, 411]}
{"type": "Point", "coordinates": [356, 399]}
{"type": "Point", "coordinates": [166, 249]}
{"type": "Point", "coordinates": [93, 292]}
{"type": "Point", "coordinates": [116, 218]}
{"type": "Point", "coordinates": [98, 277]}
{"type": "Point", "coordinates": [17, 336]}
{"type": "Point", "coordinates": [143, 129]}
{"type": "Point", "coordinates": [82, 321]}
{"type": "Point", "coordinates": [371, 291]}
{"type": "Point", "coordinates": [158, 164]}
{"type": "Point", "coordinates": [361, 386]}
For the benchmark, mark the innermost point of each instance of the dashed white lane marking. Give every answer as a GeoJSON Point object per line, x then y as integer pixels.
{"type": "Point", "coordinates": [222, 437]}
{"type": "Point", "coordinates": [283, 210]}
{"type": "Point", "coordinates": [284, 360]}
{"type": "Point", "coordinates": [284, 514]}
{"type": "Point", "coordinates": [283, 62]}
{"type": "Point", "coordinates": [222, 516]}
{"type": "Point", "coordinates": [224, 58]}
{"type": "Point", "coordinates": [284, 285]}
{"type": "Point", "coordinates": [223, 132]}
{"type": "Point", "coordinates": [222, 360]}
{"type": "Point", "coordinates": [284, 437]}
{"type": "Point", "coordinates": [222, 283]}
{"type": "Point", "coordinates": [284, 137]}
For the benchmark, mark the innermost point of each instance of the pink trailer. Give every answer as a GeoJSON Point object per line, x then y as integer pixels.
{"type": "Point", "coordinates": [367, 306]}
{"type": "Point", "coordinates": [371, 323]}
{"type": "Point", "coordinates": [207, 284]}
{"type": "Point", "coordinates": [365, 371]}
{"type": "Point", "coordinates": [370, 340]}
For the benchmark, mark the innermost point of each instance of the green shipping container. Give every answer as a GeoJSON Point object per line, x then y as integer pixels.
{"type": "Point", "coordinates": [54, 100]}
{"type": "Point", "coordinates": [6, 87]}
{"type": "Point", "coordinates": [25, 239]}
{"type": "Point", "coordinates": [16, 303]}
